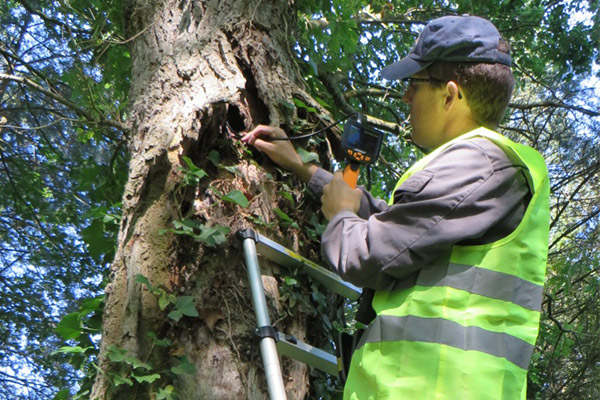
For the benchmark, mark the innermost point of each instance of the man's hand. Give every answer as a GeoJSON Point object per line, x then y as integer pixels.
{"type": "Point", "coordinates": [282, 152]}
{"type": "Point", "coordinates": [338, 196]}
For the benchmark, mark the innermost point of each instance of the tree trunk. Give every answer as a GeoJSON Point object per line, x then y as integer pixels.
{"type": "Point", "coordinates": [202, 70]}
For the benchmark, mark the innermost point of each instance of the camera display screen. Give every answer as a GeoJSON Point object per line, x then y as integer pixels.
{"type": "Point", "coordinates": [365, 142]}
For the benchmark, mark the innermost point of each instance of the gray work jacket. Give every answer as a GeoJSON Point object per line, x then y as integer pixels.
{"type": "Point", "coordinates": [471, 193]}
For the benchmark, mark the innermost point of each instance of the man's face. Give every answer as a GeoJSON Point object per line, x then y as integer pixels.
{"type": "Point", "coordinates": [426, 117]}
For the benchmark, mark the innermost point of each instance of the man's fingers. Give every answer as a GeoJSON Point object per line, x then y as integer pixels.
{"type": "Point", "coordinates": [262, 132]}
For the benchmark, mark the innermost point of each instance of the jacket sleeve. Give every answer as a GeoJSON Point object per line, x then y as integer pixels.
{"type": "Point", "coordinates": [368, 204]}
{"type": "Point", "coordinates": [471, 191]}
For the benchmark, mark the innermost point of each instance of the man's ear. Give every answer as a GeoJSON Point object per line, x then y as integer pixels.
{"type": "Point", "coordinates": [452, 94]}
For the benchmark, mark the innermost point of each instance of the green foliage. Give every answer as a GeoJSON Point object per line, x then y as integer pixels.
{"type": "Point", "coordinates": [211, 236]}
{"type": "Point", "coordinates": [236, 197]}
{"type": "Point", "coordinates": [62, 174]}
{"type": "Point", "coordinates": [180, 305]}
{"type": "Point", "coordinates": [128, 367]}
{"type": "Point", "coordinates": [184, 305]}
{"type": "Point", "coordinates": [64, 164]}
{"type": "Point", "coordinates": [79, 329]}
{"type": "Point", "coordinates": [193, 174]}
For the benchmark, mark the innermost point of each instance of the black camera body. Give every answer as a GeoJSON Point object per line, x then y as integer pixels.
{"type": "Point", "coordinates": [361, 142]}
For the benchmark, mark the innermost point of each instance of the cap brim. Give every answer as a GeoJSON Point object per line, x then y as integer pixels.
{"type": "Point", "coordinates": [403, 69]}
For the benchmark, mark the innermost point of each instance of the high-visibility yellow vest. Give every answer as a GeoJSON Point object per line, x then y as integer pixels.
{"type": "Point", "coordinates": [466, 330]}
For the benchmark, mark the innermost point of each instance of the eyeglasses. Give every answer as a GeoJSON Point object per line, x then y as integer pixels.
{"type": "Point", "coordinates": [409, 81]}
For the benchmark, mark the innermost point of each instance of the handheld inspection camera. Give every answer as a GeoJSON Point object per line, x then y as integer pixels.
{"type": "Point", "coordinates": [361, 144]}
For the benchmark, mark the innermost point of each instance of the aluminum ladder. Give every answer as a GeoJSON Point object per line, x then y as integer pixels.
{"type": "Point", "coordinates": [273, 342]}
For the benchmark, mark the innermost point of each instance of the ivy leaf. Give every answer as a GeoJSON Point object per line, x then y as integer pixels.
{"type": "Point", "coordinates": [184, 367]}
{"type": "Point", "coordinates": [184, 306]}
{"type": "Point", "coordinates": [214, 235]}
{"type": "Point", "coordinates": [175, 315]}
{"type": "Point", "coordinates": [286, 219]}
{"type": "Point", "coordinates": [166, 394]}
{"type": "Point", "coordinates": [163, 302]}
{"type": "Point", "coordinates": [116, 354]}
{"type": "Point", "coordinates": [290, 281]}
{"type": "Point", "coordinates": [237, 197]}
{"type": "Point", "coordinates": [139, 278]}
{"type": "Point", "coordinates": [121, 380]}
{"type": "Point", "coordinates": [146, 378]}
{"type": "Point", "coordinates": [166, 342]}
{"type": "Point", "coordinates": [300, 104]}
{"type": "Point", "coordinates": [214, 157]}
{"type": "Point", "coordinates": [119, 355]}
{"type": "Point", "coordinates": [306, 156]}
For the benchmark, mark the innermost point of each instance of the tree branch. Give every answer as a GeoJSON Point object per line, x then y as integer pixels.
{"type": "Point", "coordinates": [32, 10]}
{"type": "Point", "coordinates": [80, 111]}
{"type": "Point", "coordinates": [558, 104]}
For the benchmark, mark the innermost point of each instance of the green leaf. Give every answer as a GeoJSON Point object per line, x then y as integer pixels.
{"type": "Point", "coordinates": [300, 104]}
{"type": "Point", "coordinates": [290, 281]}
{"type": "Point", "coordinates": [97, 242]}
{"type": "Point", "coordinates": [115, 354]}
{"type": "Point", "coordinates": [237, 197]}
{"type": "Point", "coordinates": [283, 216]}
{"type": "Point", "coordinates": [166, 393]}
{"type": "Point", "coordinates": [286, 195]}
{"type": "Point", "coordinates": [62, 395]}
{"type": "Point", "coordinates": [175, 315]}
{"type": "Point", "coordinates": [185, 304]}
{"type": "Point", "coordinates": [214, 236]}
{"type": "Point", "coordinates": [70, 326]}
{"type": "Point", "coordinates": [146, 378]}
{"type": "Point", "coordinates": [193, 174]}
{"type": "Point", "coordinates": [166, 342]}
{"type": "Point", "coordinates": [139, 278]}
{"type": "Point", "coordinates": [164, 301]}
{"type": "Point", "coordinates": [121, 380]}
{"type": "Point", "coordinates": [287, 105]}
{"type": "Point", "coordinates": [214, 157]}
{"type": "Point", "coordinates": [91, 305]}
{"type": "Point", "coordinates": [72, 350]}
{"type": "Point", "coordinates": [184, 367]}
{"type": "Point", "coordinates": [306, 156]}
{"type": "Point", "coordinates": [233, 169]}
{"type": "Point", "coordinates": [118, 355]}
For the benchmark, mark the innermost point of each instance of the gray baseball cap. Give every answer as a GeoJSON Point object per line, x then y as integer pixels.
{"type": "Point", "coordinates": [452, 38]}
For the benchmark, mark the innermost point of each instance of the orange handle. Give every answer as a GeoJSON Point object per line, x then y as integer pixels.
{"type": "Point", "coordinates": [350, 174]}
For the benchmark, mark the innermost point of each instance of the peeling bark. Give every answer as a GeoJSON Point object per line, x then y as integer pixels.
{"type": "Point", "coordinates": [199, 69]}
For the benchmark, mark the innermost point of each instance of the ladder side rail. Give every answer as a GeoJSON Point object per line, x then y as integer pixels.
{"type": "Point", "coordinates": [267, 344]}
{"type": "Point", "coordinates": [289, 259]}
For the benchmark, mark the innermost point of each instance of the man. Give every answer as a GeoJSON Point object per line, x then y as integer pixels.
{"type": "Point", "coordinates": [455, 262]}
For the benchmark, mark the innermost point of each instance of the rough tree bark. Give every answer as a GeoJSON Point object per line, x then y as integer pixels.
{"type": "Point", "coordinates": [201, 69]}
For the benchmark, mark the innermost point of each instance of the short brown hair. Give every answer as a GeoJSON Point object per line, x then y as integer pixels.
{"type": "Point", "coordinates": [488, 86]}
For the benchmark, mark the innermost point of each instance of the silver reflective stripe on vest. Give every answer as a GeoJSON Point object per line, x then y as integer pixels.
{"type": "Point", "coordinates": [388, 328]}
{"type": "Point", "coordinates": [484, 282]}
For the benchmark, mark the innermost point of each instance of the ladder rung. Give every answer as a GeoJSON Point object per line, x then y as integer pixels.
{"type": "Point", "coordinates": [289, 259]}
{"type": "Point", "coordinates": [307, 354]}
